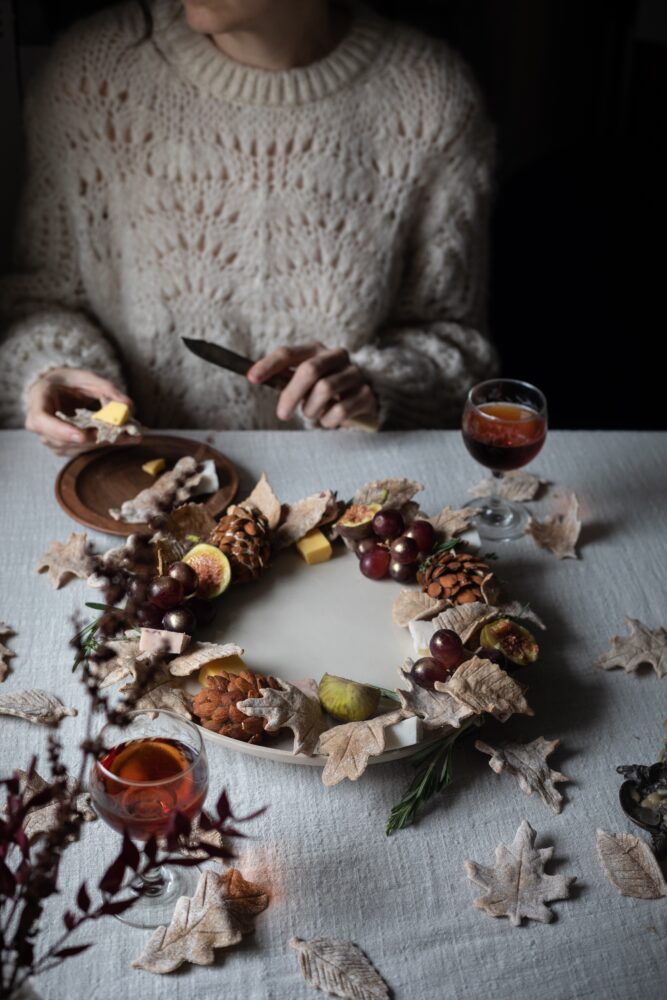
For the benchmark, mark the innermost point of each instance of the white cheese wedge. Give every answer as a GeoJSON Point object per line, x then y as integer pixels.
{"type": "Point", "coordinates": [421, 633]}
{"type": "Point", "coordinates": [157, 640]}
{"type": "Point", "coordinates": [209, 482]}
{"type": "Point", "coordinates": [404, 733]}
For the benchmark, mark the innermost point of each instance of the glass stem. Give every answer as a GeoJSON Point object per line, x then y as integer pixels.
{"type": "Point", "coordinates": [495, 500]}
{"type": "Point", "coordinates": [153, 883]}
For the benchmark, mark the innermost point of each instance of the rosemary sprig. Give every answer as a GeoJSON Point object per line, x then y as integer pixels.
{"type": "Point", "coordinates": [437, 551]}
{"type": "Point", "coordinates": [434, 771]}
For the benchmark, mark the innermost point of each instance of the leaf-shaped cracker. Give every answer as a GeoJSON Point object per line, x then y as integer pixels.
{"type": "Point", "coordinates": [302, 517]}
{"type": "Point", "coordinates": [413, 605]}
{"type": "Point", "coordinates": [200, 654]}
{"type": "Point", "coordinates": [516, 886]}
{"type": "Point", "coordinates": [349, 746]}
{"type": "Point", "coordinates": [213, 918]}
{"type": "Point", "coordinates": [437, 709]}
{"type": "Point", "coordinates": [166, 696]}
{"type": "Point", "coordinates": [528, 763]}
{"type": "Point", "coordinates": [35, 706]}
{"type": "Point", "coordinates": [288, 706]}
{"type": "Point", "coordinates": [265, 501]}
{"type": "Point", "coordinates": [43, 819]}
{"type": "Point", "coordinates": [170, 490]}
{"type": "Point", "coordinates": [464, 619]}
{"type": "Point", "coordinates": [643, 645]}
{"type": "Point", "coordinates": [388, 492]}
{"type": "Point", "coordinates": [630, 865]}
{"type": "Point", "coordinates": [126, 661]}
{"type": "Point", "coordinates": [6, 631]}
{"type": "Point", "coordinates": [106, 433]}
{"type": "Point", "coordinates": [514, 486]}
{"type": "Point", "coordinates": [450, 523]}
{"type": "Point", "coordinates": [62, 562]}
{"type": "Point", "coordinates": [484, 687]}
{"type": "Point", "coordinates": [339, 968]}
{"type": "Point", "coordinates": [559, 532]}
{"type": "Point", "coordinates": [184, 527]}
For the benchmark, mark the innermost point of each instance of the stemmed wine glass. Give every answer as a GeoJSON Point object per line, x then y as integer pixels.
{"type": "Point", "coordinates": [149, 770]}
{"type": "Point", "coordinates": [504, 427]}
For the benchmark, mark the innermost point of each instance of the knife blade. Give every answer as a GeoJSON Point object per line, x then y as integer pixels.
{"type": "Point", "coordinates": [237, 363]}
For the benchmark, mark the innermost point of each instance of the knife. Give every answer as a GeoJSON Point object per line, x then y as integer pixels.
{"type": "Point", "coordinates": [233, 362]}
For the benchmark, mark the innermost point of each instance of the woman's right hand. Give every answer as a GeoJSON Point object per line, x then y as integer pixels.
{"type": "Point", "coordinates": [64, 389]}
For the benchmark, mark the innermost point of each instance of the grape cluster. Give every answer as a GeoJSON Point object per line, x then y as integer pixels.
{"type": "Point", "coordinates": [447, 653]}
{"type": "Point", "coordinates": [391, 549]}
{"type": "Point", "coordinates": [168, 602]}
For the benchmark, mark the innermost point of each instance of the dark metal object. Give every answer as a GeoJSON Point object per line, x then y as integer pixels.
{"type": "Point", "coordinates": [639, 783]}
{"type": "Point", "coordinates": [229, 360]}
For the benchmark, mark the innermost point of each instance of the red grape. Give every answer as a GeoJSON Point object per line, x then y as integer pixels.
{"type": "Point", "coordinates": [149, 616]}
{"type": "Point", "coordinates": [203, 610]}
{"type": "Point", "coordinates": [366, 545]}
{"type": "Point", "coordinates": [388, 524]}
{"type": "Point", "coordinates": [137, 588]}
{"type": "Point", "coordinates": [447, 648]}
{"type": "Point", "coordinates": [165, 592]}
{"type": "Point", "coordinates": [179, 620]}
{"type": "Point", "coordinates": [423, 533]}
{"type": "Point", "coordinates": [375, 564]}
{"type": "Point", "coordinates": [401, 571]}
{"type": "Point", "coordinates": [427, 671]}
{"type": "Point", "coordinates": [185, 575]}
{"type": "Point", "coordinates": [405, 550]}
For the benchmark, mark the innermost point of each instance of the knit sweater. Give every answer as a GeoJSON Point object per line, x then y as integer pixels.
{"type": "Point", "coordinates": [172, 191]}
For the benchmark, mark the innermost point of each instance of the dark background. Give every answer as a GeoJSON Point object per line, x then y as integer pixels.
{"type": "Point", "coordinates": [578, 92]}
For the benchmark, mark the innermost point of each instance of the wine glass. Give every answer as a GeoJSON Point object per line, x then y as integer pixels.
{"type": "Point", "coordinates": [504, 427]}
{"type": "Point", "coordinates": [148, 770]}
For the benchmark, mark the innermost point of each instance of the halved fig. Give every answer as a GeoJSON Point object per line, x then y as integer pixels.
{"type": "Point", "coordinates": [346, 700]}
{"type": "Point", "coordinates": [514, 641]}
{"type": "Point", "coordinates": [212, 568]}
{"type": "Point", "coordinates": [355, 523]}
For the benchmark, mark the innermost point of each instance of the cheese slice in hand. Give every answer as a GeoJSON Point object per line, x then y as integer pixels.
{"type": "Point", "coordinates": [116, 414]}
{"type": "Point", "coordinates": [314, 547]}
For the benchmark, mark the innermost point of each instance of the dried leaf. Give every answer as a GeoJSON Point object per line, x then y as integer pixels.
{"type": "Point", "coordinates": [216, 916]}
{"type": "Point", "coordinates": [302, 517]}
{"type": "Point", "coordinates": [185, 844]}
{"type": "Point", "coordinates": [199, 654]}
{"type": "Point", "coordinates": [42, 819]}
{"type": "Point", "coordinates": [516, 886]}
{"type": "Point", "coordinates": [514, 486]}
{"type": "Point", "coordinates": [450, 522]}
{"type": "Point", "coordinates": [643, 645]}
{"type": "Point", "coordinates": [413, 605]}
{"type": "Point", "coordinates": [528, 763]}
{"type": "Point", "coordinates": [559, 532]}
{"type": "Point", "coordinates": [484, 687]}
{"type": "Point", "coordinates": [62, 562]}
{"type": "Point", "coordinates": [630, 865]}
{"type": "Point", "coordinates": [127, 661]}
{"type": "Point", "coordinates": [106, 433]}
{"type": "Point", "coordinates": [35, 706]}
{"type": "Point", "coordinates": [184, 527]}
{"type": "Point", "coordinates": [437, 709]}
{"type": "Point", "coordinates": [6, 654]}
{"type": "Point", "coordinates": [289, 707]}
{"type": "Point", "coordinates": [349, 746]}
{"type": "Point", "coordinates": [265, 501]}
{"type": "Point", "coordinates": [388, 492]}
{"type": "Point", "coordinates": [339, 968]}
{"type": "Point", "coordinates": [170, 490]}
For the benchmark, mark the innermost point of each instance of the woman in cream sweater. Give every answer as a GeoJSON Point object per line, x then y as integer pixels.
{"type": "Point", "coordinates": [304, 183]}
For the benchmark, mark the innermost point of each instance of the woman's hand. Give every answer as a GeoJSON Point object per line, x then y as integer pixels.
{"type": "Point", "coordinates": [329, 388]}
{"type": "Point", "coordinates": [64, 389]}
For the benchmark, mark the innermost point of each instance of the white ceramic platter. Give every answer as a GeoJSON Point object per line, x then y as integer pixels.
{"type": "Point", "coordinates": [301, 621]}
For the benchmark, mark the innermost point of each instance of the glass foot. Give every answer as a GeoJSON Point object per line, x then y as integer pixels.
{"type": "Point", "coordinates": [498, 520]}
{"type": "Point", "coordinates": [156, 908]}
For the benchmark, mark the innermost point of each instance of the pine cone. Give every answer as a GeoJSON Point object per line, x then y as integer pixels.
{"type": "Point", "coordinates": [458, 578]}
{"type": "Point", "coordinates": [216, 704]}
{"type": "Point", "coordinates": [243, 535]}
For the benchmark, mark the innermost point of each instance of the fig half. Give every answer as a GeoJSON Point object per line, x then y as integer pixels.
{"type": "Point", "coordinates": [212, 568]}
{"type": "Point", "coordinates": [348, 700]}
{"type": "Point", "coordinates": [355, 523]}
{"type": "Point", "coordinates": [514, 641]}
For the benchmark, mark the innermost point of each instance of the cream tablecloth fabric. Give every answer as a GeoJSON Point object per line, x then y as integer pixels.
{"type": "Point", "coordinates": [405, 900]}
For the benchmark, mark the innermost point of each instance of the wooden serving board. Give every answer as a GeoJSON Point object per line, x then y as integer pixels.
{"type": "Point", "coordinates": [96, 480]}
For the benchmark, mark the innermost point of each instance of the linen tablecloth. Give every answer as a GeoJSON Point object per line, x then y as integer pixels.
{"type": "Point", "coordinates": [332, 872]}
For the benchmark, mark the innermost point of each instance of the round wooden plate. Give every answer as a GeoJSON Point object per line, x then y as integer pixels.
{"type": "Point", "coordinates": [96, 480]}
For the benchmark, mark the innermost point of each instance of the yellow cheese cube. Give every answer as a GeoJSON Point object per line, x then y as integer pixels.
{"type": "Point", "coordinates": [116, 414]}
{"type": "Point", "coordinates": [231, 664]}
{"type": "Point", "coordinates": [154, 466]}
{"type": "Point", "coordinates": [314, 547]}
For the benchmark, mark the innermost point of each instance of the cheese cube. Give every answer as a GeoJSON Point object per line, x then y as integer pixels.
{"type": "Point", "coordinates": [231, 664]}
{"type": "Point", "coordinates": [116, 414]}
{"type": "Point", "coordinates": [314, 547]}
{"type": "Point", "coordinates": [157, 640]}
{"type": "Point", "coordinates": [155, 466]}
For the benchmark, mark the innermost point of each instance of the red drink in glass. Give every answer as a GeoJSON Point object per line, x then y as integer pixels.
{"type": "Point", "coordinates": [503, 436]}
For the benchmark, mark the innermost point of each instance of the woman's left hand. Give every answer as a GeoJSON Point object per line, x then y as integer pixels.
{"type": "Point", "coordinates": [328, 386]}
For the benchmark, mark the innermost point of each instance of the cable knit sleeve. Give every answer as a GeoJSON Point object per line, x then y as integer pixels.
{"type": "Point", "coordinates": [43, 310]}
{"type": "Point", "coordinates": [433, 348]}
